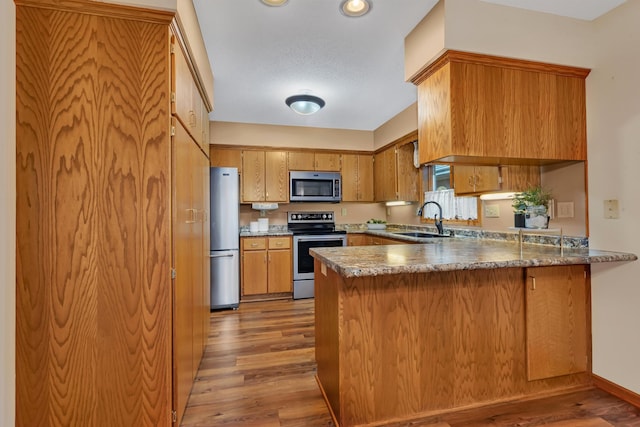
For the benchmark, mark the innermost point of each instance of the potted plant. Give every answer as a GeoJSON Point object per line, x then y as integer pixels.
{"type": "Point", "coordinates": [531, 208]}
{"type": "Point", "coordinates": [376, 224]}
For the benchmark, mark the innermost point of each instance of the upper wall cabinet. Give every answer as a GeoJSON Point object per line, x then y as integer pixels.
{"type": "Point", "coordinates": [357, 178]}
{"type": "Point", "coordinates": [187, 104]}
{"type": "Point", "coordinates": [483, 109]}
{"type": "Point", "coordinates": [264, 176]}
{"type": "Point", "coordinates": [395, 177]}
{"type": "Point", "coordinates": [309, 161]}
{"type": "Point", "coordinates": [225, 157]}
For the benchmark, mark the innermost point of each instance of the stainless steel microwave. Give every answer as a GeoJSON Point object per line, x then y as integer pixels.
{"type": "Point", "coordinates": [315, 186]}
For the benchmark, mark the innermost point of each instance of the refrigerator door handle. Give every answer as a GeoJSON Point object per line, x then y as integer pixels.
{"type": "Point", "coordinates": [228, 255]}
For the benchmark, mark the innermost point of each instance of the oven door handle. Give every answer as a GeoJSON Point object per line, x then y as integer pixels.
{"type": "Point", "coordinates": [320, 238]}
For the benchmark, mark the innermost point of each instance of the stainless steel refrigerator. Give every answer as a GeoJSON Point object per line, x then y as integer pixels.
{"type": "Point", "coordinates": [225, 238]}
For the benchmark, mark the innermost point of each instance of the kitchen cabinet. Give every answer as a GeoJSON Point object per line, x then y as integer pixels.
{"type": "Point", "coordinates": [266, 266]}
{"type": "Point", "coordinates": [377, 240]}
{"type": "Point", "coordinates": [191, 247]}
{"type": "Point", "coordinates": [265, 176]}
{"type": "Point", "coordinates": [225, 157]}
{"type": "Point", "coordinates": [519, 177]}
{"type": "Point", "coordinates": [557, 307]}
{"type": "Point", "coordinates": [473, 106]}
{"type": "Point", "coordinates": [187, 104]}
{"type": "Point", "coordinates": [358, 239]}
{"type": "Point", "coordinates": [99, 318]}
{"type": "Point", "coordinates": [395, 178]}
{"type": "Point", "coordinates": [357, 178]}
{"type": "Point", "coordinates": [407, 175]}
{"type": "Point", "coordinates": [310, 161]}
{"type": "Point", "coordinates": [475, 179]}
{"type": "Point", "coordinates": [384, 170]}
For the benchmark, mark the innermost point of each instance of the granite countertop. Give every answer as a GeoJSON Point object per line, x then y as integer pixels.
{"type": "Point", "coordinates": [448, 254]}
{"type": "Point", "coordinates": [270, 233]}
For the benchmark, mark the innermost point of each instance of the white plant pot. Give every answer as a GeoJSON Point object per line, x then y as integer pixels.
{"type": "Point", "coordinates": [536, 217]}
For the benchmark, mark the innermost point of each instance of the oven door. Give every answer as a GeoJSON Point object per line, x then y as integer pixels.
{"type": "Point", "coordinates": [302, 260]}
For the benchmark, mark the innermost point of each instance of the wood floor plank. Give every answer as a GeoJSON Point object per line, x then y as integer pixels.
{"type": "Point", "coordinates": [259, 370]}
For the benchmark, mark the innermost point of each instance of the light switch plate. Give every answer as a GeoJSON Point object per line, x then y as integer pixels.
{"type": "Point", "coordinates": [565, 210]}
{"type": "Point", "coordinates": [611, 210]}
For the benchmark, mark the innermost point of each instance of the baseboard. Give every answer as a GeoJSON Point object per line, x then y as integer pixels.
{"type": "Point", "coordinates": [616, 390]}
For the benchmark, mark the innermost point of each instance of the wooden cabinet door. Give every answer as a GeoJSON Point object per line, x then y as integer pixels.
{"type": "Point", "coordinates": [557, 303]}
{"type": "Point", "coordinates": [476, 179]}
{"type": "Point", "coordinates": [205, 130]}
{"type": "Point", "coordinates": [464, 179]}
{"type": "Point", "coordinates": [254, 272]}
{"type": "Point", "coordinates": [385, 175]}
{"type": "Point", "coordinates": [181, 87]}
{"type": "Point", "coordinates": [276, 177]}
{"type": "Point", "coordinates": [253, 176]}
{"type": "Point", "coordinates": [365, 178]}
{"type": "Point", "coordinates": [520, 178]}
{"type": "Point", "coordinates": [327, 162]}
{"type": "Point", "coordinates": [350, 177]}
{"type": "Point", "coordinates": [357, 240]}
{"type": "Point", "coordinates": [280, 275]}
{"type": "Point", "coordinates": [407, 174]}
{"type": "Point", "coordinates": [225, 157]}
{"type": "Point", "coordinates": [301, 161]}
{"type": "Point", "coordinates": [487, 178]}
{"type": "Point", "coordinates": [378, 177]}
{"type": "Point", "coordinates": [183, 292]}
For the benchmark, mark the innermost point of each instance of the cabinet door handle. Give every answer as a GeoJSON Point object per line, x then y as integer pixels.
{"type": "Point", "coordinates": [254, 244]}
{"type": "Point", "coordinates": [278, 243]}
{"type": "Point", "coordinates": [192, 216]}
{"type": "Point", "coordinates": [533, 283]}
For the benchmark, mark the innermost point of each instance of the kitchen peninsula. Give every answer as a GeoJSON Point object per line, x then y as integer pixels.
{"type": "Point", "coordinates": [404, 331]}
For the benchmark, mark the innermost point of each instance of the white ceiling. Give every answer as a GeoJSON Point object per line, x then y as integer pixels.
{"type": "Point", "coordinates": [260, 55]}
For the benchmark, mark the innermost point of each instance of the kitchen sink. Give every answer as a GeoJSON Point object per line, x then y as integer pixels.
{"type": "Point", "coordinates": [420, 234]}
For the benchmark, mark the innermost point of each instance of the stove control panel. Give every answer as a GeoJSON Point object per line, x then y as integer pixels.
{"type": "Point", "coordinates": [325, 217]}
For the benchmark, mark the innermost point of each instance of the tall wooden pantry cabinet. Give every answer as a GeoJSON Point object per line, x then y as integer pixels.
{"type": "Point", "coordinates": [112, 218]}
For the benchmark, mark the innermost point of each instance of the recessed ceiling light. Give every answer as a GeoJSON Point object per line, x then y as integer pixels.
{"type": "Point", "coordinates": [305, 104]}
{"type": "Point", "coordinates": [355, 8]}
{"type": "Point", "coordinates": [274, 2]}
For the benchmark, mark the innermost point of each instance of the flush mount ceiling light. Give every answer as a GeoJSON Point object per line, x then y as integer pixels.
{"type": "Point", "coordinates": [355, 8]}
{"type": "Point", "coordinates": [274, 2]}
{"type": "Point", "coordinates": [305, 104]}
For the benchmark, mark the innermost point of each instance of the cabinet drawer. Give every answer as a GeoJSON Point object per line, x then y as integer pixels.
{"type": "Point", "coordinates": [279, 242]}
{"type": "Point", "coordinates": [254, 244]}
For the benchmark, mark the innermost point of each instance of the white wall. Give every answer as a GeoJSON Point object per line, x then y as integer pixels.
{"type": "Point", "coordinates": [7, 214]}
{"type": "Point", "coordinates": [613, 131]}
{"type": "Point", "coordinates": [477, 26]}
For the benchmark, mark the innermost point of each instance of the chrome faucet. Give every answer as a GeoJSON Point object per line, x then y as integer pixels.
{"type": "Point", "coordinates": [437, 218]}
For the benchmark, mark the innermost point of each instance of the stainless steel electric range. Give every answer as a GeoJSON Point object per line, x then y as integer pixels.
{"type": "Point", "coordinates": [310, 230]}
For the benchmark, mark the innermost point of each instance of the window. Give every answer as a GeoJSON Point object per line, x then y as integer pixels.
{"type": "Point", "coordinates": [438, 184]}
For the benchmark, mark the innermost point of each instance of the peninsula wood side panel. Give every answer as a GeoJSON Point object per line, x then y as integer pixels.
{"type": "Point", "coordinates": [93, 332]}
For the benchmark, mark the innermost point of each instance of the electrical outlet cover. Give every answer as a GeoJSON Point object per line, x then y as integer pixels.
{"type": "Point", "coordinates": [611, 210]}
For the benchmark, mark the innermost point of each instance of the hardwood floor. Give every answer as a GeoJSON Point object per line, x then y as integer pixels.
{"type": "Point", "coordinates": [258, 370]}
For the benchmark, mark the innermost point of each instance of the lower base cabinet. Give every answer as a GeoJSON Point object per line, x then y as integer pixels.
{"type": "Point", "coordinates": [361, 239]}
{"type": "Point", "coordinates": [557, 308]}
{"type": "Point", "coordinates": [266, 266]}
